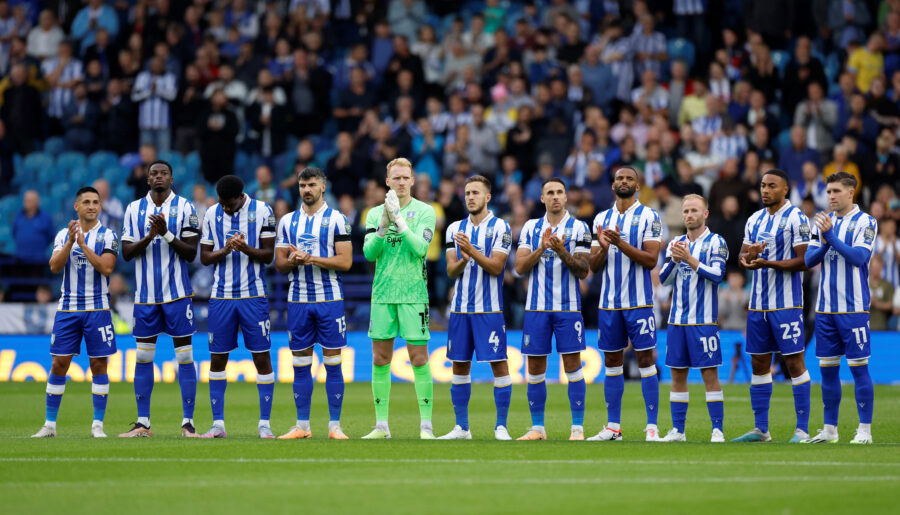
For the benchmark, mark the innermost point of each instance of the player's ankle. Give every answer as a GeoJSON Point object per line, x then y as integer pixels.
{"type": "Point", "coordinates": [144, 421]}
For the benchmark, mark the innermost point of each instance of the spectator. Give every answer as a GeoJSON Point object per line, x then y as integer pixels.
{"type": "Point", "coordinates": [598, 76]}
{"type": "Point", "coordinates": [138, 177]}
{"type": "Point", "coordinates": [803, 70]}
{"type": "Point", "coordinates": [796, 154]}
{"type": "Point", "coordinates": [858, 123]}
{"type": "Point", "coordinates": [618, 51]}
{"type": "Point", "coordinates": [154, 91]}
{"type": "Point", "coordinates": [269, 125]}
{"type": "Point", "coordinates": [187, 108]}
{"type": "Point", "coordinates": [729, 224]}
{"type": "Point", "coordinates": [692, 106]}
{"type": "Point", "coordinates": [81, 121]}
{"type": "Point", "coordinates": [21, 112]}
{"type": "Point", "coordinates": [44, 40]}
{"type": "Point", "coordinates": [819, 116]}
{"type": "Point", "coordinates": [650, 93]}
{"type": "Point", "coordinates": [847, 19]}
{"type": "Point", "coordinates": [217, 129]}
{"type": "Point", "coordinates": [812, 186]}
{"type": "Point", "coordinates": [427, 148]}
{"type": "Point", "coordinates": [263, 188]}
{"type": "Point", "coordinates": [235, 90]}
{"type": "Point", "coordinates": [62, 73]}
{"type": "Point", "coordinates": [842, 163]}
{"type": "Point", "coordinates": [729, 184]}
{"type": "Point", "coordinates": [733, 302]}
{"type": "Point", "coordinates": [346, 169]}
{"type": "Point", "coordinates": [484, 149]}
{"type": "Point", "coordinates": [310, 91]}
{"type": "Point", "coordinates": [90, 19]}
{"type": "Point", "coordinates": [32, 230]}
{"type": "Point", "coordinates": [882, 294]}
{"type": "Point", "coordinates": [867, 62]}
{"type": "Point", "coordinates": [382, 47]}
{"type": "Point", "coordinates": [650, 51]}
{"type": "Point", "coordinates": [113, 212]}
{"type": "Point", "coordinates": [576, 167]}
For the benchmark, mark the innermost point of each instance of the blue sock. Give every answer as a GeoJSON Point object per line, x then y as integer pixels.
{"type": "Point", "coordinates": [650, 389]}
{"type": "Point", "coordinates": [217, 384]}
{"type": "Point", "coordinates": [502, 397]}
{"type": "Point", "coordinates": [265, 384]}
{"type": "Point", "coordinates": [577, 393]}
{"type": "Point", "coordinates": [678, 403]}
{"type": "Point", "coordinates": [143, 387]}
{"type": "Point", "coordinates": [800, 387]}
{"type": "Point", "coordinates": [715, 404]}
{"type": "Point", "coordinates": [865, 392]}
{"type": "Point", "coordinates": [613, 389]}
{"type": "Point", "coordinates": [334, 389]}
{"type": "Point", "coordinates": [537, 398]}
{"type": "Point", "coordinates": [460, 392]}
{"type": "Point", "coordinates": [303, 389]}
{"type": "Point", "coordinates": [187, 380]}
{"type": "Point", "coordinates": [831, 392]}
{"type": "Point", "coordinates": [760, 396]}
{"type": "Point", "coordinates": [56, 386]}
{"type": "Point", "coordinates": [99, 395]}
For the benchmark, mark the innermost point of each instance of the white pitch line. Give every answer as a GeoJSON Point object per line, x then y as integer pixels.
{"type": "Point", "coordinates": [455, 481]}
{"type": "Point", "coordinates": [441, 461]}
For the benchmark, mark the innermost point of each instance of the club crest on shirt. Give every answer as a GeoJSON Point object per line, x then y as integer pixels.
{"type": "Point", "coordinates": [635, 221]}
{"type": "Point", "coordinates": [410, 214]}
{"type": "Point", "coordinates": [782, 223]}
{"type": "Point", "coordinates": [173, 211]}
{"type": "Point", "coordinates": [326, 221]}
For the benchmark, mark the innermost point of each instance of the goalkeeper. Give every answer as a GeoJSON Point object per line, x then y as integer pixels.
{"type": "Point", "coordinates": [398, 233]}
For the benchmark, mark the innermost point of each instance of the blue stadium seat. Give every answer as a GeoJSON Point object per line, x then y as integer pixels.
{"type": "Point", "coordinates": [69, 160]}
{"type": "Point", "coordinates": [192, 161]}
{"type": "Point", "coordinates": [116, 174]}
{"type": "Point", "coordinates": [784, 140]}
{"type": "Point", "coordinates": [173, 158]}
{"type": "Point", "coordinates": [99, 161]}
{"type": "Point", "coordinates": [781, 59]}
{"type": "Point", "coordinates": [81, 176]}
{"type": "Point", "coordinates": [37, 161]}
{"type": "Point", "coordinates": [55, 146]}
{"type": "Point", "coordinates": [683, 49]}
{"type": "Point", "coordinates": [125, 193]}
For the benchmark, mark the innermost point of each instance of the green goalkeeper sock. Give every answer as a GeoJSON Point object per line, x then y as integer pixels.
{"type": "Point", "coordinates": [381, 391]}
{"type": "Point", "coordinates": [424, 391]}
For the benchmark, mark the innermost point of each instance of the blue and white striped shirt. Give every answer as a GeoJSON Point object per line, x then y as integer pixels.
{"type": "Point", "coordinates": [787, 229]}
{"type": "Point", "coordinates": [161, 275]}
{"type": "Point", "coordinates": [237, 276]}
{"type": "Point", "coordinates": [695, 293]}
{"type": "Point", "coordinates": [315, 235]}
{"type": "Point", "coordinates": [60, 97]}
{"type": "Point", "coordinates": [889, 253]}
{"type": "Point", "coordinates": [710, 125]}
{"type": "Point", "coordinates": [154, 104]}
{"type": "Point", "coordinates": [551, 285]}
{"type": "Point", "coordinates": [683, 7]}
{"type": "Point", "coordinates": [729, 147]}
{"type": "Point", "coordinates": [83, 287]}
{"type": "Point", "coordinates": [843, 287]}
{"type": "Point", "coordinates": [477, 291]}
{"type": "Point", "coordinates": [625, 284]}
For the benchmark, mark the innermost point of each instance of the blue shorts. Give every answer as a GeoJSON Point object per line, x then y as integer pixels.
{"type": "Point", "coordinates": [483, 334]}
{"type": "Point", "coordinates": [693, 346]}
{"type": "Point", "coordinates": [618, 326]}
{"type": "Point", "coordinates": [780, 330]}
{"type": "Point", "coordinates": [69, 327]}
{"type": "Point", "coordinates": [310, 323]}
{"type": "Point", "coordinates": [540, 326]}
{"type": "Point", "coordinates": [842, 334]}
{"type": "Point", "coordinates": [251, 316]}
{"type": "Point", "coordinates": [174, 318]}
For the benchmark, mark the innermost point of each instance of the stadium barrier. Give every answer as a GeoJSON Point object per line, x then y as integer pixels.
{"type": "Point", "coordinates": [26, 358]}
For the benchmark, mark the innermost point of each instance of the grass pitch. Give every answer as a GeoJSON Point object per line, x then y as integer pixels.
{"type": "Point", "coordinates": [167, 474]}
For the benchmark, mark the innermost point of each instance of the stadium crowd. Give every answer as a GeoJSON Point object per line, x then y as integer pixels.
{"type": "Point", "coordinates": [700, 97]}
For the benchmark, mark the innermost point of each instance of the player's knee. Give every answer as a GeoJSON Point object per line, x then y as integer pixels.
{"type": "Point", "coordinates": [645, 359]}
{"type": "Point", "coordinates": [184, 355]}
{"type": "Point", "coordinates": [858, 362]}
{"type": "Point", "coordinates": [613, 359]}
{"type": "Point", "coordinates": [146, 352]}
{"type": "Point", "coordinates": [98, 366]}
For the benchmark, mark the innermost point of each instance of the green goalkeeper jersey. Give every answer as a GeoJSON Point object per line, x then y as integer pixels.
{"type": "Point", "coordinates": [400, 275]}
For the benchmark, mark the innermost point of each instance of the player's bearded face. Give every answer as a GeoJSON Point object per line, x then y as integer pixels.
{"type": "Point", "coordinates": [311, 193]}
{"type": "Point", "coordinates": [475, 202]}
{"type": "Point", "coordinates": [625, 186]}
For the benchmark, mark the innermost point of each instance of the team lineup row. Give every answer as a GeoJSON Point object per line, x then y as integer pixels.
{"type": "Point", "coordinates": [239, 237]}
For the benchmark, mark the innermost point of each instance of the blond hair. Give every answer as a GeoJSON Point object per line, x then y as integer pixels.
{"type": "Point", "coordinates": [695, 196]}
{"type": "Point", "coordinates": [400, 161]}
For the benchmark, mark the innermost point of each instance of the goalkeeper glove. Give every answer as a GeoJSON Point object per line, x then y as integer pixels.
{"type": "Point", "coordinates": [384, 223]}
{"type": "Point", "coordinates": [392, 204]}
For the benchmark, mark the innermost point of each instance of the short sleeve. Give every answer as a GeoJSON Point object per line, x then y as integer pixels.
{"type": "Point", "coordinates": [747, 240]}
{"type": "Point", "coordinates": [207, 237]}
{"type": "Point", "coordinates": [283, 240]}
{"type": "Point", "coordinates": [669, 249]}
{"type": "Point", "coordinates": [268, 222]}
{"type": "Point", "coordinates": [525, 237]}
{"type": "Point", "coordinates": [652, 228]}
{"type": "Point", "coordinates": [596, 230]}
{"type": "Point", "coordinates": [60, 240]}
{"type": "Point", "coordinates": [111, 243]}
{"type": "Point", "coordinates": [800, 233]}
{"type": "Point", "coordinates": [449, 242]}
{"type": "Point", "coordinates": [582, 239]}
{"type": "Point", "coordinates": [341, 227]}
{"type": "Point", "coordinates": [128, 223]}
{"type": "Point", "coordinates": [865, 237]}
{"type": "Point", "coordinates": [190, 222]}
{"type": "Point", "coordinates": [502, 240]}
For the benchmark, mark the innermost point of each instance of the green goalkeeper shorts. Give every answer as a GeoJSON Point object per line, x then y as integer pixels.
{"type": "Point", "coordinates": [408, 321]}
